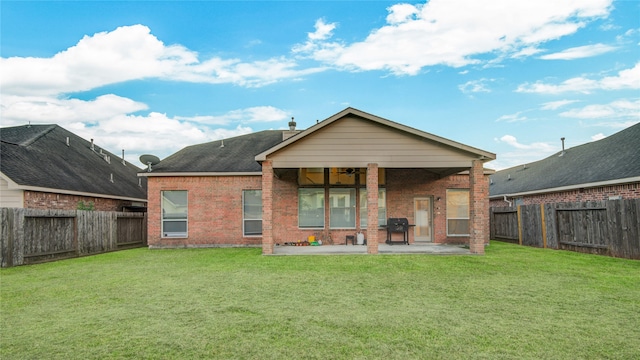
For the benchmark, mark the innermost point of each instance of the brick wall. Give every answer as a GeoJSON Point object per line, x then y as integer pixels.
{"type": "Point", "coordinates": [43, 200]}
{"type": "Point", "coordinates": [215, 207]}
{"type": "Point", "coordinates": [626, 191]}
{"type": "Point", "coordinates": [215, 210]}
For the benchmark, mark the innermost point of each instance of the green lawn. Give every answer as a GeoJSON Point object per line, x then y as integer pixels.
{"type": "Point", "coordinates": [513, 302]}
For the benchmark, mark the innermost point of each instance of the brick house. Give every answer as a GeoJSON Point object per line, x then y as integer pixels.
{"type": "Point", "coordinates": [334, 179]}
{"type": "Point", "coordinates": [48, 167]}
{"type": "Point", "coordinates": [606, 169]}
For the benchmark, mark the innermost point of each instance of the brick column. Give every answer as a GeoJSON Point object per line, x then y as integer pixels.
{"type": "Point", "coordinates": [478, 208]}
{"type": "Point", "coordinates": [372, 208]}
{"type": "Point", "coordinates": [267, 207]}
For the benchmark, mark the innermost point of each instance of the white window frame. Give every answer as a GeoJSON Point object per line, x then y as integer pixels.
{"type": "Point", "coordinates": [245, 219]}
{"type": "Point", "coordinates": [468, 218]}
{"type": "Point", "coordinates": [349, 205]}
{"type": "Point", "coordinates": [382, 207]}
{"type": "Point", "coordinates": [315, 226]}
{"type": "Point", "coordinates": [184, 219]}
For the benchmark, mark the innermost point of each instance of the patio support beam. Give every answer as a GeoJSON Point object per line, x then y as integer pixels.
{"type": "Point", "coordinates": [372, 208]}
{"type": "Point", "coordinates": [478, 208]}
{"type": "Point", "coordinates": [267, 207]}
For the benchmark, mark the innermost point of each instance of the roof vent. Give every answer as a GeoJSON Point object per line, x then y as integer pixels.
{"type": "Point", "coordinates": [508, 177]}
{"type": "Point", "coordinates": [67, 141]}
{"type": "Point", "coordinates": [92, 146]}
{"type": "Point", "coordinates": [123, 161]}
{"type": "Point", "coordinates": [562, 139]}
{"type": "Point", "coordinates": [292, 125]}
{"type": "Point", "coordinates": [111, 177]}
{"type": "Point", "coordinates": [222, 143]}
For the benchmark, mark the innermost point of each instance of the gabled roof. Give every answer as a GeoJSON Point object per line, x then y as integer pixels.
{"type": "Point", "coordinates": [37, 157]}
{"type": "Point", "coordinates": [485, 155]}
{"type": "Point", "coordinates": [234, 156]}
{"type": "Point", "coordinates": [612, 160]}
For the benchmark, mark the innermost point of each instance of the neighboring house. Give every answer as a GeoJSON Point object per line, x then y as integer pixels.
{"type": "Point", "coordinates": [334, 179]}
{"type": "Point", "coordinates": [601, 170]}
{"type": "Point", "coordinates": [48, 167]}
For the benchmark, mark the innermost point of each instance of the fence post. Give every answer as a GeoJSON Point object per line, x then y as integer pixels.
{"type": "Point", "coordinates": [544, 227]}
{"type": "Point", "coordinates": [519, 225]}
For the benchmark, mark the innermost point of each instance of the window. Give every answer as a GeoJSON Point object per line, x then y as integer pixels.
{"type": "Point", "coordinates": [382, 207]}
{"type": "Point", "coordinates": [311, 208]}
{"type": "Point", "coordinates": [174, 213]}
{"type": "Point", "coordinates": [363, 176]}
{"type": "Point", "coordinates": [342, 176]}
{"type": "Point", "coordinates": [252, 212]}
{"type": "Point", "coordinates": [311, 176]}
{"type": "Point", "coordinates": [458, 212]}
{"type": "Point", "coordinates": [342, 207]}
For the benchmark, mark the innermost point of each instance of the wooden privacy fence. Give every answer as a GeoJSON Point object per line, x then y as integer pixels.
{"type": "Point", "coordinates": [608, 227]}
{"type": "Point", "coordinates": [31, 236]}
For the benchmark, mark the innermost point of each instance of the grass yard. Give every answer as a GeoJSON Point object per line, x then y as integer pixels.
{"type": "Point", "coordinates": [513, 302]}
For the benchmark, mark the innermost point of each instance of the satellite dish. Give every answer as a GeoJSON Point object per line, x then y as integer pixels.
{"type": "Point", "coordinates": [149, 160]}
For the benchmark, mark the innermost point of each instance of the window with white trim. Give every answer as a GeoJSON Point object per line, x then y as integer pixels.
{"type": "Point", "coordinates": [342, 208]}
{"type": "Point", "coordinates": [252, 212]}
{"type": "Point", "coordinates": [457, 212]}
{"type": "Point", "coordinates": [174, 213]}
{"type": "Point", "coordinates": [311, 208]}
{"type": "Point", "coordinates": [382, 207]}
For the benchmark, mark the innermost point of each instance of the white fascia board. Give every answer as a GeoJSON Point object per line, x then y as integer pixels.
{"type": "Point", "coordinates": [152, 174]}
{"type": "Point", "coordinates": [570, 187]}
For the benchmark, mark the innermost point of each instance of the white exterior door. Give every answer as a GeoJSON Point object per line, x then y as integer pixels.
{"type": "Point", "coordinates": [424, 219]}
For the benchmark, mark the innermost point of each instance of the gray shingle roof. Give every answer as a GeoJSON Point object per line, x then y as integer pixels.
{"type": "Point", "coordinates": [237, 155]}
{"type": "Point", "coordinates": [612, 158]}
{"type": "Point", "coordinates": [38, 156]}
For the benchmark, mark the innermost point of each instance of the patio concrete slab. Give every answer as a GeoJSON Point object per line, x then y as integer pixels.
{"type": "Point", "coordinates": [434, 249]}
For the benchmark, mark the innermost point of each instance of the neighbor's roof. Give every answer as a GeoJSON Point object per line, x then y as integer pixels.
{"type": "Point", "coordinates": [612, 160]}
{"type": "Point", "coordinates": [37, 157]}
{"type": "Point", "coordinates": [233, 156]}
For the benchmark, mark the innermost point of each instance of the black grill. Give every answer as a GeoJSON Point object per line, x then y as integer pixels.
{"type": "Point", "coordinates": [398, 225]}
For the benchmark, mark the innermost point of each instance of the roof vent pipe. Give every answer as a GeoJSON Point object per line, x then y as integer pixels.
{"type": "Point", "coordinates": [123, 161]}
{"type": "Point", "coordinates": [292, 125]}
{"type": "Point", "coordinates": [111, 177]}
{"type": "Point", "coordinates": [222, 143]}
{"type": "Point", "coordinates": [67, 141]}
{"type": "Point", "coordinates": [562, 139]}
{"type": "Point", "coordinates": [92, 147]}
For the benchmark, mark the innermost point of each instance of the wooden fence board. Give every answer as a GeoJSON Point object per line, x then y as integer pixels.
{"type": "Point", "coordinates": [30, 235]}
{"type": "Point", "coordinates": [608, 227]}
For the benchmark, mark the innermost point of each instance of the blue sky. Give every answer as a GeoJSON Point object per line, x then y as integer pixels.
{"type": "Point", "coordinates": [509, 77]}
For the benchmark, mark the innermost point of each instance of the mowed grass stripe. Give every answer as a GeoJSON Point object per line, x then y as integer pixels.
{"type": "Point", "coordinates": [513, 302]}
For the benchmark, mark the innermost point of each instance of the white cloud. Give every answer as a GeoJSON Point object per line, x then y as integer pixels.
{"type": "Point", "coordinates": [629, 109]}
{"type": "Point", "coordinates": [512, 117]}
{"type": "Point", "coordinates": [116, 123]}
{"type": "Point", "coordinates": [519, 153]}
{"type": "Point", "coordinates": [625, 79]}
{"type": "Point", "coordinates": [598, 136]}
{"type": "Point", "coordinates": [133, 53]}
{"type": "Point", "coordinates": [580, 52]}
{"type": "Point", "coordinates": [257, 114]}
{"type": "Point", "coordinates": [323, 30]}
{"type": "Point", "coordinates": [454, 32]}
{"type": "Point", "coordinates": [475, 86]}
{"type": "Point", "coordinates": [45, 109]}
{"type": "Point", "coordinates": [554, 105]}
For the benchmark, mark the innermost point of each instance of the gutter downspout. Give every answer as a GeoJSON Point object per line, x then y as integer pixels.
{"type": "Point", "coordinates": [507, 201]}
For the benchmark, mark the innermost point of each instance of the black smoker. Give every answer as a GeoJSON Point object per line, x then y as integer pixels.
{"type": "Point", "coordinates": [398, 225]}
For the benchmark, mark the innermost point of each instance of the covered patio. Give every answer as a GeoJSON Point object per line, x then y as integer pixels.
{"type": "Point", "coordinates": [433, 249]}
{"type": "Point", "coordinates": [354, 170]}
